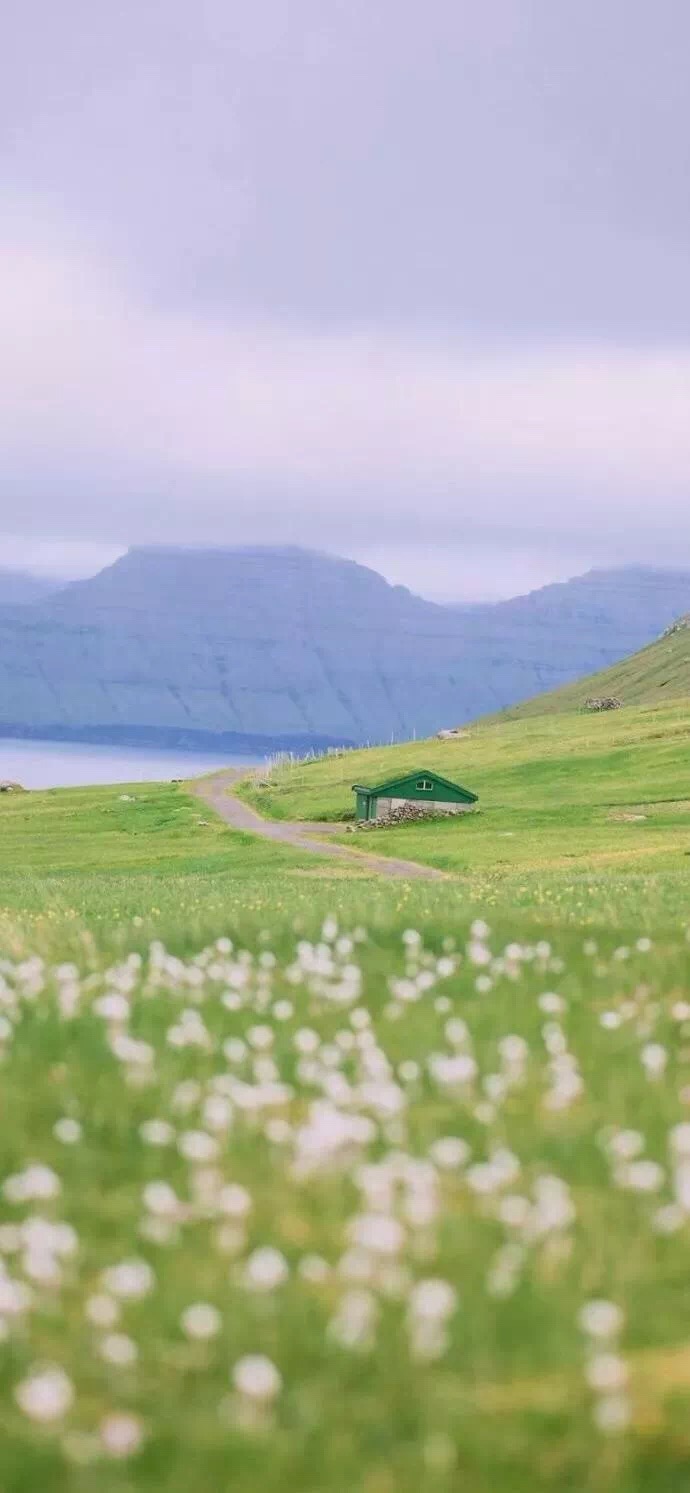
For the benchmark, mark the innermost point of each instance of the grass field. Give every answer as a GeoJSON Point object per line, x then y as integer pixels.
{"type": "Point", "coordinates": [556, 794]}
{"type": "Point", "coordinates": [315, 1181]}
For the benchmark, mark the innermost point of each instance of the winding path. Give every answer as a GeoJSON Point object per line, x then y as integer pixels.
{"type": "Point", "coordinates": [216, 792]}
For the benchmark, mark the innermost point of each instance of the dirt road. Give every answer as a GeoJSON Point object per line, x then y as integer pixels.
{"type": "Point", "coordinates": [315, 838]}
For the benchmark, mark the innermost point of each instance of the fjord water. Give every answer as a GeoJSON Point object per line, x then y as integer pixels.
{"type": "Point", "coordinates": [58, 764]}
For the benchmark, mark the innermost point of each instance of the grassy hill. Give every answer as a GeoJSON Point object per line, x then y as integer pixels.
{"type": "Point", "coordinates": [657, 673]}
{"type": "Point", "coordinates": [578, 793]}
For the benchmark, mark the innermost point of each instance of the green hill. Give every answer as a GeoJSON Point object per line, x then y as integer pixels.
{"type": "Point", "coordinates": [579, 793]}
{"type": "Point", "coordinates": [658, 672]}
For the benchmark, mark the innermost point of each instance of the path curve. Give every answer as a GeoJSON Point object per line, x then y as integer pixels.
{"type": "Point", "coordinates": [215, 791]}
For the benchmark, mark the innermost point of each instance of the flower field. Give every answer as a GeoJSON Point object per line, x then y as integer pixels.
{"type": "Point", "coordinates": [388, 1210]}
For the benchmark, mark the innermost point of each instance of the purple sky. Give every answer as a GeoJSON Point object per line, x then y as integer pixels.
{"type": "Point", "coordinates": [408, 283]}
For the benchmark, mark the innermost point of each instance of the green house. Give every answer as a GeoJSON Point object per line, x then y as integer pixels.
{"type": "Point", "coordinates": [422, 787]}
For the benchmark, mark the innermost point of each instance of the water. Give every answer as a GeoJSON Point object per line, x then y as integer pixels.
{"type": "Point", "coordinates": [61, 764]}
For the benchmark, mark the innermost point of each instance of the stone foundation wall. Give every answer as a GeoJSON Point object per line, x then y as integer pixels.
{"type": "Point", "coordinates": [386, 806]}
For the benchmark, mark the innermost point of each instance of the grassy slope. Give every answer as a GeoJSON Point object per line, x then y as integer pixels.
{"type": "Point", "coordinates": [108, 855]}
{"type": "Point", "coordinates": [650, 677]}
{"type": "Point", "coordinates": [547, 848]}
{"type": "Point", "coordinates": [554, 794]}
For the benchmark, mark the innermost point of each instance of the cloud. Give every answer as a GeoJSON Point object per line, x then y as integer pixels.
{"type": "Point", "coordinates": [411, 289]}
{"type": "Point", "coordinates": [123, 422]}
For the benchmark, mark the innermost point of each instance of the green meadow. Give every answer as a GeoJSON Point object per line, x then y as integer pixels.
{"type": "Point", "coordinates": [318, 1181]}
{"type": "Point", "coordinates": [577, 793]}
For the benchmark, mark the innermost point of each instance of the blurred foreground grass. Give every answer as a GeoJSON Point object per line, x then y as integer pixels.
{"type": "Point", "coordinates": [320, 1182]}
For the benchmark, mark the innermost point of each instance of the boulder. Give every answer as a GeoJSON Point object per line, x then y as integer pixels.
{"type": "Point", "coordinates": [605, 702]}
{"type": "Point", "coordinates": [680, 625]}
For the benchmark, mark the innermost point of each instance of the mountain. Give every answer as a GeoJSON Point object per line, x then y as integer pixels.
{"type": "Point", "coordinates": [18, 588]}
{"type": "Point", "coordinates": [264, 647]}
{"type": "Point", "coordinates": [659, 672]}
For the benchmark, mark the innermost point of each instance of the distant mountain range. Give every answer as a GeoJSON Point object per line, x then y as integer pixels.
{"type": "Point", "coordinates": [17, 588]}
{"type": "Point", "coordinates": [262, 648]}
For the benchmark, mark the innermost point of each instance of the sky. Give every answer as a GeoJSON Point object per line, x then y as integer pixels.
{"type": "Point", "coordinates": [404, 282]}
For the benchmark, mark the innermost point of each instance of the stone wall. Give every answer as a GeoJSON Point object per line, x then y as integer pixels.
{"type": "Point", "coordinates": [386, 806]}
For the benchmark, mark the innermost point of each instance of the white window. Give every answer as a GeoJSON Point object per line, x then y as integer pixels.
{"type": "Point", "coordinates": [424, 785]}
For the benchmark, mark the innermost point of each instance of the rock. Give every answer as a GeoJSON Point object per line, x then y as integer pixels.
{"type": "Point", "coordinates": [679, 625]}
{"type": "Point", "coordinates": [450, 734]}
{"type": "Point", "coordinates": [7, 787]}
{"type": "Point", "coordinates": [410, 812]}
{"type": "Point", "coordinates": [606, 702]}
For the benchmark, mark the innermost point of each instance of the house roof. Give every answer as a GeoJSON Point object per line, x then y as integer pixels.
{"type": "Point", "coordinates": [381, 789]}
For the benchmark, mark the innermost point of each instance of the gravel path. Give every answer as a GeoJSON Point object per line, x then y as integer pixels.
{"type": "Point", "coordinates": [215, 791]}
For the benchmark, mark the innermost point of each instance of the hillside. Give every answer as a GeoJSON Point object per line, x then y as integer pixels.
{"type": "Point", "coordinates": [576, 793]}
{"type": "Point", "coordinates": [654, 674]}
{"type": "Point", "coordinates": [260, 648]}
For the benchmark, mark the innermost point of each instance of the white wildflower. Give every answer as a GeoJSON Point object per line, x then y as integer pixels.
{"type": "Point", "coordinates": [354, 1324]}
{"type": "Point", "coordinates": [377, 1233]}
{"type": "Point", "coordinates": [606, 1373]}
{"type": "Point", "coordinates": [201, 1321]}
{"type": "Point", "coordinates": [668, 1219]}
{"type": "Point", "coordinates": [46, 1395]}
{"type": "Point", "coordinates": [612, 1413]}
{"type": "Point", "coordinates": [102, 1310]}
{"type": "Point", "coordinates": [679, 1139]}
{"type": "Point", "coordinates": [654, 1059]}
{"type": "Point", "coordinates": [131, 1280]}
{"type": "Point", "coordinates": [198, 1145]}
{"type": "Point", "coordinates": [266, 1269]}
{"type": "Point", "coordinates": [551, 1004]}
{"type": "Point", "coordinates": [601, 1319]}
{"type": "Point", "coordinates": [15, 1297]}
{"type": "Point", "coordinates": [449, 1152]}
{"type": "Point", "coordinates": [234, 1201]}
{"type": "Point", "coordinates": [161, 1200]}
{"type": "Point", "coordinates": [118, 1349]}
{"type": "Point", "coordinates": [643, 1176]}
{"type": "Point", "coordinates": [35, 1183]}
{"type": "Point", "coordinates": [257, 1378]}
{"type": "Point", "coordinates": [112, 1007]}
{"type": "Point", "coordinates": [452, 1072]}
{"type": "Point", "coordinates": [68, 1131]}
{"type": "Point", "coordinates": [434, 1300]}
{"type": "Point", "coordinates": [157, 1132]}
{"type": "Point", "coordinates": [626, 1144]}
{"type": "Point", "coordinates": [121, 1435]}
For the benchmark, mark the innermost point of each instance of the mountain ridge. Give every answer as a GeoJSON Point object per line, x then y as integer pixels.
{"type": "Point", "coordinates": [291, 648]}
{"type": "Point", "coordinates": [23, 588]}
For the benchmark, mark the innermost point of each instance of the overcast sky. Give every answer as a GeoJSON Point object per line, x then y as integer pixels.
{"type": "Point", "coordinates": [404, 281]}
